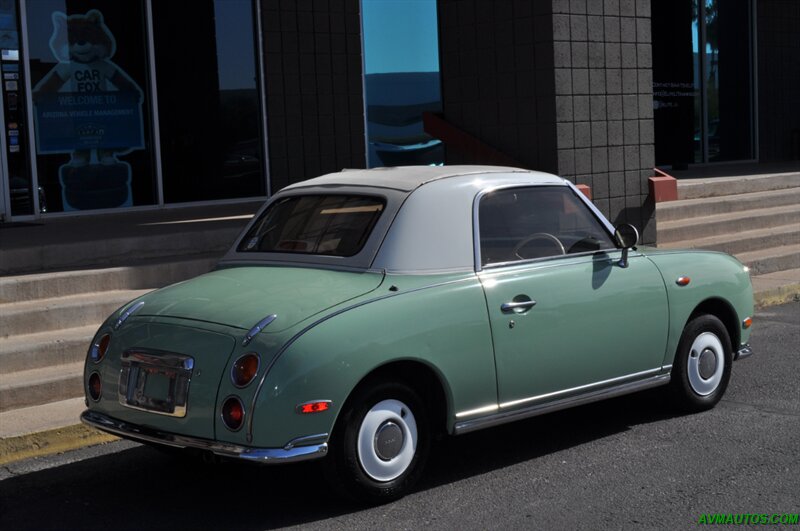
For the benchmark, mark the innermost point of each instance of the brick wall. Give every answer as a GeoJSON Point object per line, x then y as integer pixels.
{"type": "Point", "coordinates": [315, 108]}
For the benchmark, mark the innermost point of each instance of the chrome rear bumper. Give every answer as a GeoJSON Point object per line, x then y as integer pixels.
{"type": "Point", "coordinates": [318, 446]}
{"type": "Point", "coordinates": [744, 352]}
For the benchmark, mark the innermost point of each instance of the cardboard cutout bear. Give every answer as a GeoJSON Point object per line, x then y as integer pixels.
{"type": "Point", "coordinates": [88, 107]}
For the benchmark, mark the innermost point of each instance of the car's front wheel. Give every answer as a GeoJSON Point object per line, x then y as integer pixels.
{"type": "Point", "coordinates": [702, 366]}
{"type": "Point", "coordinates": [380, 443]}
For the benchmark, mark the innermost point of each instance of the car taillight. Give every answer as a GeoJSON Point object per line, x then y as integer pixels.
{"type": "Point", "coordinates": [95, 387]}
{"type": "Point", "coordinates": [245, 369]}
{"type": "Point", "coordinates": [232, 413]}
{"type": "Point", "coordinates": [99, 348]}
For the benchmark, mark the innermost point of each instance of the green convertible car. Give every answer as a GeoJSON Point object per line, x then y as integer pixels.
{"type": "Point", "coordinates": [362, 313]}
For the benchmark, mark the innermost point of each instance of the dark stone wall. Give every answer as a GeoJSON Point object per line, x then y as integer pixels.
{"type": "Point", "coordinates": [315, 107]}
{"type": "Point", "coordinates": [563, 86]}
{"type": "Point", "coordinates": [496, 62]}
{"type": "Point", "coordinates": [604, 104]}
{"type": "Point", "coordinates": [778, 28]}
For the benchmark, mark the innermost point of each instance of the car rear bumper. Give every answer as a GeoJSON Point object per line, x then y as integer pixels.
{"type": "Point", "coordinates": [313, 446]}
{"type": "Point", "coordinates": [744, 352]}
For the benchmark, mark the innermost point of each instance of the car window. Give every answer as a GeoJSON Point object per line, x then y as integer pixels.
{"type": "Point", "coordinates": [333, 225]}
{"type": "Point", "coordinates": [537, 222]}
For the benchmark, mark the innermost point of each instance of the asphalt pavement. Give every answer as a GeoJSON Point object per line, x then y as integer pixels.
{"type": "Point", "coordinates": [631, 462]}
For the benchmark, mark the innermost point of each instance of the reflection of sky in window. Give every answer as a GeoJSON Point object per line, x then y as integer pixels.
{"type": "Point", "coordinates": [235, 44]}
{"type": "Point", "coordinates": [400, 36]}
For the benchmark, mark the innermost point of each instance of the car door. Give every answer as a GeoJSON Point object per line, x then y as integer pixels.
{"type": "Point", "coordinates": [565, 316]}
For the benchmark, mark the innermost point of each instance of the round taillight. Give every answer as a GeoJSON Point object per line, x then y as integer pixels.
{"type": "Point", "coordinates": [232, 413]}
{"type": "Point", "coordinates": [245, 369]}
{"type": "Point", "coordinates": [95, 387]}
{"type": "Point", "coordinates": [99, 348]}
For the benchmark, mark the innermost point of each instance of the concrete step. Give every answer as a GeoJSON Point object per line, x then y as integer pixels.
{"type": "Point", "coordinates": [721, 186]}
{"type": "Point", "coordinates": [36, 419]}
{"type": "Point", "coordinates": [118, 251]}
{"type": "Point", "coordinates": [742, 242]}
{"type": "Point", "coordinates": [30, 317]}
{"type": "Point", "coordinates": [65, 283]}
{"type": "Point", "coordinates": [692, 208]}
{"type": "Point", "coordinates": [45, 349]}
{"type": "Point", "coordinates": [40, 386]}
{"type": "Point", "coordinates": [728, 223]}
{"type": "Point", "coordinates": [766, 261]}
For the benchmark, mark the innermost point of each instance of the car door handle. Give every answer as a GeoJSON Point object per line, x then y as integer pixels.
{"type": "Point", "coordinates": [511, 306]}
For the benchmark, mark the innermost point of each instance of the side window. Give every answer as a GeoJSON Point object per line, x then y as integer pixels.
{"type": "Point", "coordinates": [537, 222]}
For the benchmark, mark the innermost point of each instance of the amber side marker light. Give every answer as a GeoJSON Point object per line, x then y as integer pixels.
{"type": "Point", "coordinates": [232, 413]}
{"type": "Point", "coordinates": [747, 323]}
{"type": "Point", "coordinates": [683, 281]}
{"type": "Point", "coordinates": [245, 369]}
{"type": "Point", "coordinates": [317, 406]}
{"type": "Point", "coordinates": [99, 348]}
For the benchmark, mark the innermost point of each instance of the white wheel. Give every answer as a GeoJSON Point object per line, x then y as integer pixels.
{"type": "Point", "coordinates": [702, 366]}
{"type": "Point", "coordinates": [387, 440]}
{"type": "Point", "coordinates": [380, 442]}
{"type": "Point", "coordinates": [705, 364]}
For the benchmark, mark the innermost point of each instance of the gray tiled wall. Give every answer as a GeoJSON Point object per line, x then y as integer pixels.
{"type": "Point", "coordinates": [604, 104]}
{"type": "Point", "coordinates": [779, 79]}
{"type": "Point", "coordinates": [315, 105]}
{"type": "Point", "coordinates": [563, 86]}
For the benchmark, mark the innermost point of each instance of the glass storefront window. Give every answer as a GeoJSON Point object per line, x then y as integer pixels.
{"type": "Point", "coordinates": [722, 43]}
{"type": "Point", "coordinates": [209, 113]}
{"type": "Point", "coordinates": [401, 64]}
{"type": "Point", "coordinates": [88, 68]}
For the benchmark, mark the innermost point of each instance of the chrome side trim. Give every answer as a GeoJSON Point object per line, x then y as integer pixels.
{"type": "Point", "coordinates": [315, 445]}
{"type": "Point", "coordinates": [745, 351]}
{"type": "Point", "coordinates": [556, 405]}
{"type": "Point", "coordinates": [127, 313]}
{"type": "Point", "coordinates": [259, 326]}
{"type": "Point", "coordinates": [537, 398]}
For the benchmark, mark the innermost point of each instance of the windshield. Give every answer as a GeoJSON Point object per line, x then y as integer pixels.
{"type": "Point", "coordinates": [333, 225]}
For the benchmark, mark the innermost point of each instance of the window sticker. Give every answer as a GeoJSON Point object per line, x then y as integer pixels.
{"type": "Point", "coordinates": [88, 107]}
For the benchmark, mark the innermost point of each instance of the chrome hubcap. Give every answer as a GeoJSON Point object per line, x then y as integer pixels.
{"type": "Point", "coordinates": [387, 440]}
{"type": "Point", "coordinates": [706, 364]}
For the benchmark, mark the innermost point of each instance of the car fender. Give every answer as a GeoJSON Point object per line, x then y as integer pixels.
{"type": "Point", "coordinates": [713, 278]}
{"type": "Point", "coordinates": [443, 326]}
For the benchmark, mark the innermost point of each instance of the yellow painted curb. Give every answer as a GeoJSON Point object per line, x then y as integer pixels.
{"type": "Point", "coordinates": [50, 442]}
{"type": "Point", "coordinates": [775, 296]}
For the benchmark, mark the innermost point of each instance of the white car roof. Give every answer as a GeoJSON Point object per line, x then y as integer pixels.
{"type": "Point", "coordinates": [427, 226]}
{"type": "Point", "coordinates": [409, 178]}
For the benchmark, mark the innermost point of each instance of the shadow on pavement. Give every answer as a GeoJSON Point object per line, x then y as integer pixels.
{"type": "Point", "coordinates": [142, 488]}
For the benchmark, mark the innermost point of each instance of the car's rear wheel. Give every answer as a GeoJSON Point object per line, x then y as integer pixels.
{"type": "Point", "coordinates": [380, 443]}
{"type": "Point", "coordinates": [702, 366]}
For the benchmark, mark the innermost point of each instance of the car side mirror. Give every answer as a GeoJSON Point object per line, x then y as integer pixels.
{"type": "Point", "coordinates": [626, 237]}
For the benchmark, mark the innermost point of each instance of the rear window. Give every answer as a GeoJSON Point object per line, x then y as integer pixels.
{"type": "Point", "coordinates": [332, 225]}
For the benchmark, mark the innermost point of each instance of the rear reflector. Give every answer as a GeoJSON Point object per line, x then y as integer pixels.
{"type": "Point", "coordinates": [95, 386]}
{"type": "Point", "coordinates": [232, 413]}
